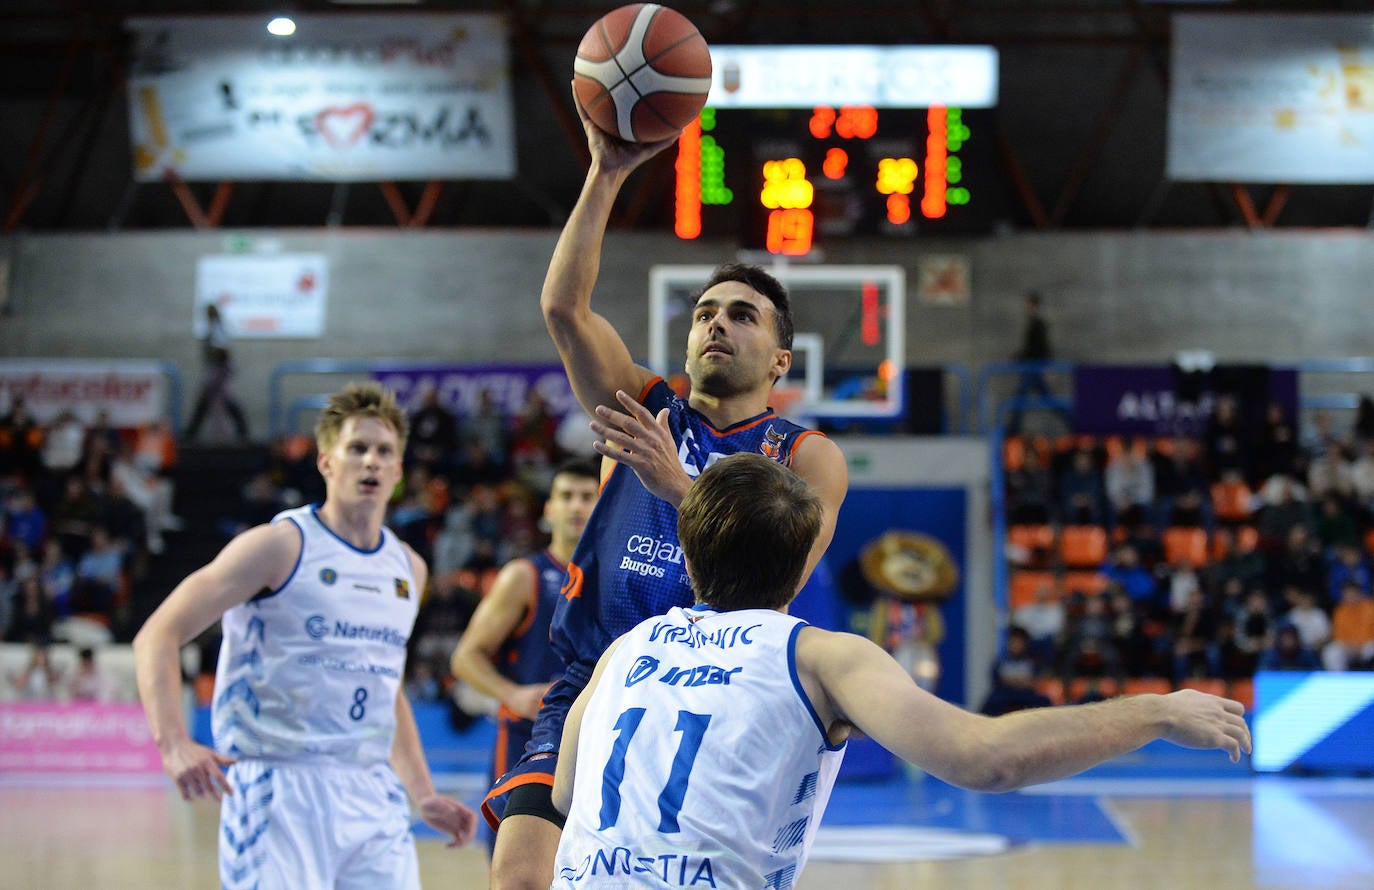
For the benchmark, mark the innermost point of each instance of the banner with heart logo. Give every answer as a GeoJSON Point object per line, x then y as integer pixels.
{"type": "Point", "coordinates": [347, 98]}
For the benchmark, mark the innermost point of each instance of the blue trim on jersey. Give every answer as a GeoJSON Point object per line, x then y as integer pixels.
{"type": "Point", "coordinates": [381, 539]}
{"type": "Point", "coordinates": [299, 556]}
{"type": "Point", "coordinates": [801, 691]}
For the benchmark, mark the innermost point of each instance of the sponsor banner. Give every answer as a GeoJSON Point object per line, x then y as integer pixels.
{"type": "Point", "coordinates": [347, 98]}
{"type": "Point", "coordinates": [1161, 400]}
{"type": "Point", "coordinates": [882, 76]}
{"type": "Point", "coordinates": [1272, 98]}
{"type": "Point", "coordinates": [131, 392]}
{"type": "Point", "coordinates": [276, 295]}
{"type": "Point", "coordinates": [460, 388]}
{"type": "Point", "coordinates": [76, 738]}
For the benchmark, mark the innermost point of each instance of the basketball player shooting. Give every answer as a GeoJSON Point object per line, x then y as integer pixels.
{"type": "Point", "coordinates": [704, 748]}
{"type": "Point", "coordinates": [628, 565]}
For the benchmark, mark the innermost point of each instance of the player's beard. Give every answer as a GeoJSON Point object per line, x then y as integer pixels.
{"type": "Point", "coordinates": [720, 380]}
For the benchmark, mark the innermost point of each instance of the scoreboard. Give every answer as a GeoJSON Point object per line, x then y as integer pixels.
{"type": "Point", "coordinates": [800, 144]}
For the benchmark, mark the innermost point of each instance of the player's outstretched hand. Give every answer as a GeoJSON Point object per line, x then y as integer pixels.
{"type": "Point", "coordinates": [1199, 720]}
{"type": "Point", "coordinates": [612, 152]}
{"type": "Point", "coordinates": [644, 443]}
{"type": "Point", "coordinates": [446, 815]}
{"type": "Point", "coordinates": [197, 771]}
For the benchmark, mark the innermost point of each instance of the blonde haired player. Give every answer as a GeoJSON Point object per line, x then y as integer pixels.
{"type": "Point", "coordinates": [319, 741]}
{"type": "Point", "coordinates": [703, 751]}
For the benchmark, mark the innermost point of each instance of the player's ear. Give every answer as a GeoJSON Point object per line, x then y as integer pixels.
{"type": "Point", "coordinates": [782, 363]}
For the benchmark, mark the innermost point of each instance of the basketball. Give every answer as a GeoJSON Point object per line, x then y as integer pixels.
{"type": "Point", "coordinates": [642, 72]}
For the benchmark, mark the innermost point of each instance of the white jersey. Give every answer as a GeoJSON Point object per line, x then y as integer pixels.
{"type": "Point", "coordinates": [701, 762]}
{"type": "Point", "coordinates": [312, 669]}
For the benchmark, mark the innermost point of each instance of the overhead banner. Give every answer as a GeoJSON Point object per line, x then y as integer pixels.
{"type": "Point", "coordinates": [273, 295]}
{"type": "Point", "coordinates": [1272, 98]}
{"type": "Point", "coordinates": [346, 98]}
{"type": "Point", "coordinates": [130, 392]}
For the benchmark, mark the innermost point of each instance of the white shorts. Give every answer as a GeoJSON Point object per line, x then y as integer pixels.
{"type": "Point", "coordinates": [296, 827]}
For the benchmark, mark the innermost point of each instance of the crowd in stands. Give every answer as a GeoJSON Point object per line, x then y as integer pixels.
{"type": "Point", "coordinates": [1189, 560]}
{"type": "Point", "coordinates": [83, 509]}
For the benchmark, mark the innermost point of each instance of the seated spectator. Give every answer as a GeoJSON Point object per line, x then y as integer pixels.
{"type": "Point", "coordinates": [1311, 621]}
{"type": "Point", "coordinates": [1182, 582]}
{"type": "Point", "coordinates": [1319, 435]}
{"type": "Point", "coordinates": [1276, 451]}
{"type": "Point", "coordinates": [143, 483]}
{"type": "Point", "coordinates": [25, 521]}
{"type": "Point", "coordinates": [1089, 646]}
{"type": "Point", "coordinates": [74, 515]}
{"type": "Point", "coordinates": [1184, 492]}
{"type": "Point", "coordinates": [1255, 625]}
{"type": "Point", "coordinates": [422, 683]}
{"type": "Point", "coordinates": [99, 575]}
{"type": "Point", "coordinates": [63, 444]}
{"type": "Point", "coordinates": [1082, 496]}
{"type": "Point", "coordinates": [1242, 562]}
{"type": "Point", "coordinates": [1336, 525]}
{"type": "Point", "coordinates": [126, 521]}
{"type": "Point", "coordinates": [1043, 621]}
{"type": "Point", "coordinates": [1130, 634]}
{"type": "Point", "coordinates": [1030, 489]}
{"type": "Point", "coordinates": [1129, 480]}
{"type": "Point", "coordinates": [1125, 571]}
{"type": "Point", "coordinates": [486, 426]}
{"type": "Point", "coordinates": [533, 441]}
{"type": "Point", "coordinates": [1288, 653]}
{"type": "Point", "coordinates": [1013, 677]}
{"type": "Point", "coordinates": [433, 434]}
{"type": "Point", "coordinates": [442, 618]}
{"type": "Point", "coordinates": [1298, 564]}
{"type": "Point", "coordinates": [32, 616]}
{"type": "Point", "coordinates": [90, 683]}
{"type": "Point", "coordinates": [1194, 633]}
{"type": "Point", "coordinates": [21, 441]}
{"type": "Point", "coordinates": [1224, 441]}
{"type": "Point", "coordinates": [1347, 566]}
{"type": "Point", "coordinates": [1330, 475]}
{"type": "Point", "coordinates": [39, 680]}
{"type": "Point", "coordinates": [1352, 631]}
{"type": "Point", "coordinates": [58, 577]}
{"type": "Point", "coordinates": [262, 500]}
{"type": "Point", "coordinates": [1362, 475]}
{"type": "Point", "coordinates": [1284, 507]}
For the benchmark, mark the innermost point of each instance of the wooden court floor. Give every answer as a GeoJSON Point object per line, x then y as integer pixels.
{"type": "Point", "coordinates": [95, 838]}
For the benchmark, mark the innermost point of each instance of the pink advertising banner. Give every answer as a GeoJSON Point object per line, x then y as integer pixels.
{"type": "Point", "coordinates": [76, 738]}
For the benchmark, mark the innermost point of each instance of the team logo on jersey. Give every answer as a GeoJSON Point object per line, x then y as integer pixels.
{"type": "Point", "coordinates": [328, 577]}
{"type": "Point", "coordinates": [644, 667]}
{"type": "Point", "coordinates": [771, 446]}
{"type": "Point", "coordinates": [402, 588]}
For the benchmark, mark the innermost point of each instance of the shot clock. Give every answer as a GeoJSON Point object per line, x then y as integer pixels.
{"type": "Point", "coordinates": [800, 144]}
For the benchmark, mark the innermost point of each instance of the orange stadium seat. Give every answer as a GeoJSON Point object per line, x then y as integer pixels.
{"type": "Point", "coordinates": [1025, 585]}
{"type": "Point", "coordinates": [1032, 544]}
{"type": "Point", "coordinates": [1107, 686]}
{"type": "Point", "coordinates": [1052, 688]}
{"type": "Point", "coordinates": [1013, 454]}
{"type": "Point", "coordinates": [1185, 544]}
{"type": "Point", "coordinates": [1231, 500]}
{"type": "Point", "coordinates": [1083, 546]}
{"type": "Point", "coordinates": [1211, 685]}
{"type": "Point", "coordinates": [1146, 685]}
{"type": "Point", "coordinates": [1089, 583]}
{"type": "Point", "coordinates": [1243, 691]}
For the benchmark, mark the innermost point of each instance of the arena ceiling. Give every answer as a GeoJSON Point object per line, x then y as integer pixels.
{"type": "Point", "coordinates": [1094, 69]}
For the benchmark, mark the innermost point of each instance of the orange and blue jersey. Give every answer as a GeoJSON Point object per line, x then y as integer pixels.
{"type": "Point", "coordinates": [628, 566]}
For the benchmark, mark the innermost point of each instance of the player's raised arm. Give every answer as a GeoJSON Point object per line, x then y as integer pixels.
{"type": "Point", "coordinates": [594, 355]}
{"type": "Point", "coordinates": [862, 686]}
{"type": "Point", "coordinates": [261, 557]}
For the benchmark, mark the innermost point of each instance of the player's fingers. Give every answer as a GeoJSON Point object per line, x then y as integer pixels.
{"type": "Point", "coordinates": [1232, 706]}
{"type": "Point", "coordinates": [611, 416]}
